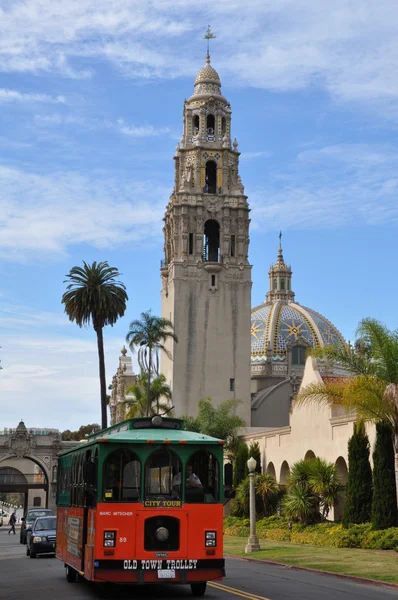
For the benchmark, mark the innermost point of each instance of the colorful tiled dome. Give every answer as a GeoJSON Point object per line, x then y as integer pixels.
{"type": "Point", "coordinates": [207, 80]}
{"type": "Point", "coordinates": [281, 321]}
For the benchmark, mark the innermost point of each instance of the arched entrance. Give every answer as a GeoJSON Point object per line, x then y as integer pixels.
{"type": "Point", "coordinates": [25, 476]}
{"type": "Point", "coordinates": [285, 472]}
{"type": "Point", "coordinates": [309, 454]}
{"type": "Point", "coordinates": [271, 469]}
{"type": "Point", "coordinates": [342, 470]}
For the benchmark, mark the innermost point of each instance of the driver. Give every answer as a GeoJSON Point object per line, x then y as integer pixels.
{"type": "Point", "coordinates": [191, 480]}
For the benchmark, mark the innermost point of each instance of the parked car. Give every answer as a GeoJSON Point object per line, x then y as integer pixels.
{"type": "Point", "coordinates": [41, 537]}
{"type": "Point", "coordinates": [28, 520]}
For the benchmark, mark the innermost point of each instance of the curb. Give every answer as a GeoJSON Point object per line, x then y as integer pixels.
{"type": "Point", "coordinates": [354, 578]}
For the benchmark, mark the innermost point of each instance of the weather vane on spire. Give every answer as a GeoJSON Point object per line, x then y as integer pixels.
{"type": "Point", "coordinates": [209, 36]}
{"type": "Point", "coordinates": [280, 238]}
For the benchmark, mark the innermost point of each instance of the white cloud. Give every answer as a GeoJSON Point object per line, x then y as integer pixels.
{"type": "Point", "coordinates": [141, 131]}
{"type": "Point", "coordinates": [348, 47]}
{"type": "Point", "coordinates": [64, 208]}
{"type": "Point", "coordinates": [330, 187]}
{"type": "Point", "coordinates": [15, 96]}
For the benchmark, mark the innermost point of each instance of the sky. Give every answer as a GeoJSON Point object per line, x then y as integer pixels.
{"type": "Point", "coordinates": [91, 99]}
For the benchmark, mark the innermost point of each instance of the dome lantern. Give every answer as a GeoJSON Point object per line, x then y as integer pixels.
{"type": "Point", "coordinates": [280, 279]}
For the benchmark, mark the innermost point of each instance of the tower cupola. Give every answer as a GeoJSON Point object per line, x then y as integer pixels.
{"type": "Point", "coordinates": [280, 279]}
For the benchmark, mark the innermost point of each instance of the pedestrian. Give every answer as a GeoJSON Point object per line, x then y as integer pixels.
{"type": "Point", "coordinates": [11, 522]}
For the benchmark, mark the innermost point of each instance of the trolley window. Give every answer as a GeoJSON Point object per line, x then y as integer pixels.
{"type": "Point", "coordinates": [121, 476]}
{"type": "Point", "coordinates": [202, 478]}
{"type": "Point", "coordinates": [162, 470]}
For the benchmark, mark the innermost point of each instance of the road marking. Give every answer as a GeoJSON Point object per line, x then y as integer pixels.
{"type": "Point", "coordinates": [226, 588]}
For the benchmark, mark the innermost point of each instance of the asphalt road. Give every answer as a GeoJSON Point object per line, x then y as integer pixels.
{"type": "Point", "coordinates": [44, 579]}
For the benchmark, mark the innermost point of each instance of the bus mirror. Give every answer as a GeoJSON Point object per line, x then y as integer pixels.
{"type": "Point", "coordinates": [89, 473]}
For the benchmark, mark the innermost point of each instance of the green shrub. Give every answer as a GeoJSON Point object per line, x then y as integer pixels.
{"type": "Point", "coordinates": [384, 505]}
{"type": "Point", "coordinates": [358, 504]}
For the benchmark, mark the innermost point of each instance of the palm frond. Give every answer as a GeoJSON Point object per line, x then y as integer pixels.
{"type": "Point", "coordinates": [383, 347]}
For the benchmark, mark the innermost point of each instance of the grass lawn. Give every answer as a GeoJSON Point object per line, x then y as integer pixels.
{"type": "Point", "coordinates": [374, 564]}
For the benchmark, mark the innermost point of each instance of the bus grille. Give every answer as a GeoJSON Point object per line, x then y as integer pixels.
{"type": "Point", "coordinates": [153, 524]}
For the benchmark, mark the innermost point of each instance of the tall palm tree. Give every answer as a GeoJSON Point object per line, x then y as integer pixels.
{"type": "Point", "coordinates": [159, 389]}
{"type": "Point", "coordinates": [372, 390]}
{"type": "Point", "coordinates": [94, 295]}
{"type": "Point", "coordinates": [150, 334]}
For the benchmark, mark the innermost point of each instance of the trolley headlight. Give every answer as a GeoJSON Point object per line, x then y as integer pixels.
{"type": "Point", "coordinates": [109, 539]}
{"type": "Point", "coordinates": [162, 534]}
{"type": "Point", "coordinates": [210, 539]}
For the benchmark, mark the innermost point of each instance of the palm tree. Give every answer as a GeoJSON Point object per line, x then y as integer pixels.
{"type": "Point", "coordinates": [159, 389]}
{"type": "Point", "coordinates": [150, 335]}
{"type": "Point", "coordinates": [268, 490]}
{"type": "Point", "coordinates": [372, 390]}
{"type": "Point", "coordinates": [95, 295]}
{"type": "Point", "coordinates": [325, 482]}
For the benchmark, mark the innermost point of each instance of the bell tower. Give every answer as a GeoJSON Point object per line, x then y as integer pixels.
{"type": "Point", "coordinates": [206, 275]}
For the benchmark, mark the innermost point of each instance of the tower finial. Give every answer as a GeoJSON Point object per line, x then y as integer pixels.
{"type": "Point", "coordinates": [209, 36]}
{"type": "Point", "coordinates": [280, 239]}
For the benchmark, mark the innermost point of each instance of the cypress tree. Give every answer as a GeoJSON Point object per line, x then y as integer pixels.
{"type": "Point", "coordinates": [254, 451]}
{"type": "Point", "coordinates": [358, 504]}
{"type": "Point", "coordinates": [384, 505]}
{"type": "Point", "coordinates": [240, 464]}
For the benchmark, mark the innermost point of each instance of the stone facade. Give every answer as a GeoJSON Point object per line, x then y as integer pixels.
{"type": "Point", "coordinates": [206, 276]}
{"type": "Point", "coordinates": [121, 381]}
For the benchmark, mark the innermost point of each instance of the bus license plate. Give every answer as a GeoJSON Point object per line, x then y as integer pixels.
{"type": "Point", "coordinates": [166, 573]}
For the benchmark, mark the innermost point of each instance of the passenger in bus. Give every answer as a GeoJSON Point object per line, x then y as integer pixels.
{"type": "Point", "coordinates": [191, 480]}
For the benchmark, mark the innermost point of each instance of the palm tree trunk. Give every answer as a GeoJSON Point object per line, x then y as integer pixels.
{"type": "Point", "coordinates": [100, 344]}
{"type": "Point", "coordinates": [148, 400]}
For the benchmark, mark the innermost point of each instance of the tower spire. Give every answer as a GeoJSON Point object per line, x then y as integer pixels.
{"type": "Point", "coordinates": [208, 36]}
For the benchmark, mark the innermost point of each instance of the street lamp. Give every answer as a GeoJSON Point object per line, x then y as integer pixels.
{"type": "Point", "coordinates": [252, 543]}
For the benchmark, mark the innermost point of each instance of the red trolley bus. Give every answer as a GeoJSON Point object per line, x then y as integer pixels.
{"type": "Point", "coordinates": [142, 502]}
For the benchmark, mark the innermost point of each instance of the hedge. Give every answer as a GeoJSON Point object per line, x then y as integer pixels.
{"type": "Point", "coordinates": [324, 534]}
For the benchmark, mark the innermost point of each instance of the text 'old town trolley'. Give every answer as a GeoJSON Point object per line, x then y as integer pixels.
{"type": "Point", "coordinates": [142, 502]}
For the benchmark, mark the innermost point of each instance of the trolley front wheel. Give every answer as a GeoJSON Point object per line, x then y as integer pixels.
{"type": "Point", "coordinates": [71, 574]}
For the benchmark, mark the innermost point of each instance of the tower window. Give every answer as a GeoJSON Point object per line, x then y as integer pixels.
{"type": "Point", "coordinates": [233, 245]}
{"type": "Point", "coordinates": [211, 241]}
{"type": "Point", "coordinates": [282, 284]}
{"type": "Point", "coordinates": [213, 281]}
{"type": "Point", "coordinates": [232, 385]}
{"type": "Point", "coordinates": [223, 126]}
{"type": "Point", "coordinates": [210, 124]}
{"type": "Point", "coordinates": [288, 284]}
{"type": "Point", "coordinates": [275, 284]}
{"type": "Point", "coordinates": [190, 244]}
{"type": "Point", "coordinates": [298, 355]}
{"type": "Point", "coordinates": [196, 124]}
{"type": "Point", "coordinates": [211, 177]}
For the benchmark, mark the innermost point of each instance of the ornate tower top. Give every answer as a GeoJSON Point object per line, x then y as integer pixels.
{"type": "Point", "coordinates": [280, 277]}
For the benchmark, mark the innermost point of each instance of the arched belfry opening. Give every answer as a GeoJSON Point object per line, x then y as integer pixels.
{"type": "Point", "coordinates": [211, 177]}
{"type": "Point", "coordinates": [196, 124]}
{"type": "Point", "coordinates": [210, 124]}
{"type": "Point", "coordinates": [223, 126]}
{"type": "Point", "coordinates": [211, 247]}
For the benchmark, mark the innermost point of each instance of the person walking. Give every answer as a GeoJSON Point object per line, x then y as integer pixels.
{"type": "Point", "coordinates": [11, 522]}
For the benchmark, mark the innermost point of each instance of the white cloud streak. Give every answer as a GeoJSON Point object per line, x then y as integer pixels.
{"type": "Point", "coordinates": [10, 96]}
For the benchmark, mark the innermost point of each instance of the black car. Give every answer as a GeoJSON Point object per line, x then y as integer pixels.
{"type": "Point", "coordinates": [42, 536]}
{"type": "Point", "coordinates": [30, 517]}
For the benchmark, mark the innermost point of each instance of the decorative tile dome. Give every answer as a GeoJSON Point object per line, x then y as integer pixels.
{"type": "Point", "coordinates": [281, 321]}
{"type": "Point", "coordinates": [207, 80]}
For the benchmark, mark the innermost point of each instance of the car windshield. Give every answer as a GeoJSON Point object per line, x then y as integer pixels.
{"type": "Point", "coordinates": [32, 515]}
{"type": "Point", "coordinates": [42, 524]}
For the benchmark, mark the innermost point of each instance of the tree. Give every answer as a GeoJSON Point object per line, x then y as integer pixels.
{"type": "Point", "coordinates": [358, 504]}
{"type": "Point", "coordinates": [94, 295]}
{"type": "Point", "coordinates": [159, 389]}
{"type": "Point", "coordinates": [254, 451]}
{"type": "Point", "coordinates": [240, 464]}
{"type": "Point", "coordinates": [267, 496]}
{"type": "Point", "coordinates": [372, 391]}
{"type": "Point", "coordinates": [314, 486]}
{"type": "Point", "coordinates": [150, 334]}
{"type": "Point", "coordinates": [81, 433]}
{"type": "Point", "coordinates": [217, 421]}
{"type": "Point", "coordinates": [384, 505]}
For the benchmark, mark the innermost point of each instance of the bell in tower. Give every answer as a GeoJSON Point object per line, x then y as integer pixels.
{"type": "Point", "coordinates": [206, 275]}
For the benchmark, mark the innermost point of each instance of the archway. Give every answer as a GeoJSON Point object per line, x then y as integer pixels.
{"type": "Point", "coordinates": [211, 246]}
{"type": "Point", "coordinates": [271, 469]}
{"type": "Point", "coordinates": [211, 177]}
{"type": "Point", "coordinates": [342, 470]}
{"type": "Point", "coordinates": [27, 476]}
{"type": "Point", "coordinates": [285, 472]}
{"type": "Point", "coordinates": [309, 454]}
